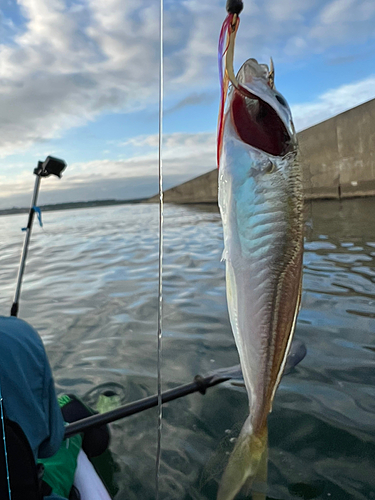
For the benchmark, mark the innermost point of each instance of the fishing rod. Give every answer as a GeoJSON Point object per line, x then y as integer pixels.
{"type": "Point", "coordinates": [200, 384]}
{"type": "Point", "coordinates": [50, 166]}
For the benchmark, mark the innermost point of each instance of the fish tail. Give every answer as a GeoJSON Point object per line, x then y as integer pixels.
{"type": "Point", "coordinates": [247, 463]}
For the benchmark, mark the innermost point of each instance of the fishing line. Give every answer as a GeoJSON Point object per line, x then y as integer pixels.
{"type": "Point", "coordinates": [5, 446]}
{"type": "Point", "coordinates": [160, 289]}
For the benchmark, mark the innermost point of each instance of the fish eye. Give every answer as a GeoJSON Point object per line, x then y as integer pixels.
{"type": "Point", "coordinates": [281, 99]}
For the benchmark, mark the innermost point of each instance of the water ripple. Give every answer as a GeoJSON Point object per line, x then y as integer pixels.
{"type": "Point", "coordinates": [90, 288]}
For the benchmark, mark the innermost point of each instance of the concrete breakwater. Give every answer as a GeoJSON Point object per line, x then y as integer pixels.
{"type": "Point", "coordinates": [337, 157]}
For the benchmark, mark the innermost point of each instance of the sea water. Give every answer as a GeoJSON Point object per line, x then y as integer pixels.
{"type": "Point", "coordinates": [90, 288]}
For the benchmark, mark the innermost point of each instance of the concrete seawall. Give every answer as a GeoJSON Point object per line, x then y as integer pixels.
{"type": "Point", "coordinates": [337, 157]}
{"type": "Point", "coordinates": [202, 189]}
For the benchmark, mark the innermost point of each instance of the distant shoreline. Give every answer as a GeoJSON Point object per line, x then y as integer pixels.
{"type": "Point", "coordinates": [74, 205]}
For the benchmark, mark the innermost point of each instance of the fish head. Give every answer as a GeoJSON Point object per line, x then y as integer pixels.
{"type": "Point", "coordinates": [259, 114]}
{"type": "Point", "coordinates": [259, 162]}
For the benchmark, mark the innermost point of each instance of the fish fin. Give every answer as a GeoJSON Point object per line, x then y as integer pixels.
{"type": "Point", "coordinates": [246, 462]}
{"type": "Point", "coordinates": [260, 480]}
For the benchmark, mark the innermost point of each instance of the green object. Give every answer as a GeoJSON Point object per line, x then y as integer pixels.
{"type": "Point", "coordinates": [104, 464]}
{"type": "Point", "coordinates": [106, 467]}
{"type": "Point", "coordinates": [63, 400]}
{"type": "Point", "coordinates": [107, 403]}
{"type": "Point", "coordinates": [59, 469]}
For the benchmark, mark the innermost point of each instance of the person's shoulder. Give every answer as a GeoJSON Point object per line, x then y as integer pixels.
{"type": "Point", "coordinates": [16, 326]}
{"type": "Point", "coordinates": [17, 331]}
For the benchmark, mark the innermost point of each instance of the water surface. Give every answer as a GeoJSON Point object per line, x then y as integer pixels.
{"type": "Point", "coordinates": [90, 289]}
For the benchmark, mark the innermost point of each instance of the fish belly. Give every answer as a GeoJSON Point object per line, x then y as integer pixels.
{"type": "Point", "coordinates": [263, 255]}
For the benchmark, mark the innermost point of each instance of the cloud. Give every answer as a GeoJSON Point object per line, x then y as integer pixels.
{"type": "Point", "coordinates": [193, 99]}
{"type": "Point", "coordinates": [69, 62]}
{"type": "Point", "coordinates": [349, 58]}
{"type": "Point", "coordinates": [185, 155]}
{"type": "Point", "coordinates": [103, 189]}
{"type": "Point", "coordinates": [343, 11]}
{"type": "Point", "coordinates": [292, 30]}
{"type": "Point", "coordinates": [142, 141]}
{"type": "Point", "coordinates": [67, 67]}
{"type": "Point", "coordinates": [333, 102]}
{"type": "Point", "coordinates": [343, 21]}
{"type": "Point", "coordinates": [289, 10]}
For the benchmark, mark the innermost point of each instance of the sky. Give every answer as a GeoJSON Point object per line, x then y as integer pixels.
{"type": "Point", "coordinates": [79, 80]}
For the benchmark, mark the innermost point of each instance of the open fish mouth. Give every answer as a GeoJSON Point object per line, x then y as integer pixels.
{"type": "Point", "coordinates": [258, 124]}
{"type": "Point", "coordinates": [259, 113]}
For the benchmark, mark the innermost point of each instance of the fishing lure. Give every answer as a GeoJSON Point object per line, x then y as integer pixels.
{"type": "Point", "coordinates": [228, 33]}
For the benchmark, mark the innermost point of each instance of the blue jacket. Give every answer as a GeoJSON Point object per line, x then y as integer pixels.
{"type": "Point", "coordinates": [27, 387]}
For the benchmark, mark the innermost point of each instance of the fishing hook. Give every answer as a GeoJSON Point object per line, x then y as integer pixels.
{"type": "Point", "coordinates": [232, 31]}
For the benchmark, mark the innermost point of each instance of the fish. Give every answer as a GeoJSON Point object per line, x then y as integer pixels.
{"type": "Point", "coordinates": [296, 354]}
{"type": "Point", "coordinates": [261, 206]}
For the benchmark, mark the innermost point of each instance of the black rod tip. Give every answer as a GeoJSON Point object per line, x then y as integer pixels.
{"type": "Point", "coordinates": [14, 310]}
{"type": "Point", "coordinates": [234, 6]}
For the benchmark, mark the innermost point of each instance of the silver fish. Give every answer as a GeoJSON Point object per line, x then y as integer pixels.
{"type": "Point", "coordinates": [261, 205]}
